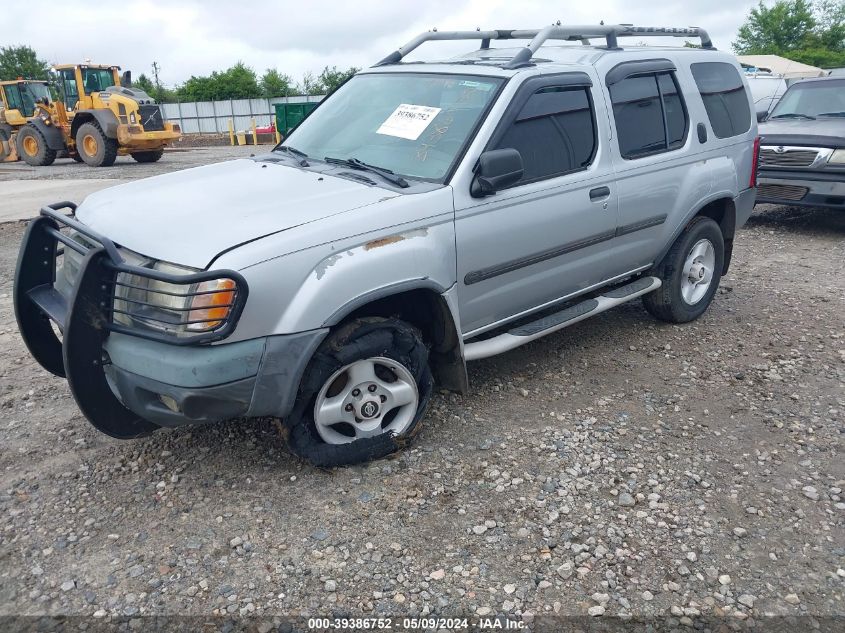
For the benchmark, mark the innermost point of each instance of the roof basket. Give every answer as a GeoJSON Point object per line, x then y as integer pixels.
{"type": "Point", "coordinates": [583, 33]}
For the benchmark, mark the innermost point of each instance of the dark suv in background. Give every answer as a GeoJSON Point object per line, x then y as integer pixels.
{"type": "Point", "coordinates": [802, 151]}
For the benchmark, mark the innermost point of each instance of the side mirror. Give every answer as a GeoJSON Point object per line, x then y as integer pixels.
{"type": "Point", "coordinates": [762, 116]}
{"type": "Point", "coordinates": [496, 169]}
{"type": "Point", "coordinates": [126, 79]}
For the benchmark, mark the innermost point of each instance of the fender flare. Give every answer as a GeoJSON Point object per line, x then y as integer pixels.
{"type": "Point", "coordinates": [382, 293]}
{"type": "Point", "coordinates": [53, 135]}
{"type": "Point", "coordinates": [728, 226]}
{"type": "Point", "coordinates": [106, 119]}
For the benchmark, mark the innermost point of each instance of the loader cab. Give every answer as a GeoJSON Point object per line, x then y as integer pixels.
{"type": "Point", "coordinates": [78, 83]}
{"type": "Point", "coordinates": [19, 99]}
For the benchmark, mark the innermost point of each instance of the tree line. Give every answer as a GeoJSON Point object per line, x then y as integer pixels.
{"type": "Point", "coordinates": [806, 31]}
{"type": "Point", "coordinates": [237, 82]}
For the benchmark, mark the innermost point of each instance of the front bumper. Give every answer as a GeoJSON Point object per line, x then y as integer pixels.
{"type": "Point", "coordinates": [136, 137]}
{"type": "Point", "coordinates": [128, 381]}
{"type": "Point", "coordinates": [802, 188]}
{"type": "Point", "coordinates": [173, 386]}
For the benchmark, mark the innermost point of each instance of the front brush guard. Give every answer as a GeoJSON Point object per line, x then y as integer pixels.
{"type": "Point", "coordinates": [86, 318]}
{"type": "Point", "coordinates": [82, 320]}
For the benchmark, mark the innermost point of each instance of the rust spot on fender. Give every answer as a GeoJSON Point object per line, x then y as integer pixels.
{"type": "Point", "coordinates": [393, 239]}
{"type": "Point", "coordinates": [384, 241]}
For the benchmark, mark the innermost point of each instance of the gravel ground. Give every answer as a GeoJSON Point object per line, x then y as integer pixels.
{"type": "Point", "coordinates": [126, 167]}
{"type": "Point", "coordinates": [622, 467]}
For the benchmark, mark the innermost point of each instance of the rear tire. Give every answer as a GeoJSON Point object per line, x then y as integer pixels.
{"type": "Point", "coordinates": [368, 386]}
{"type": "Point", "coordinates": [690, 273]}
{"type": "Point", "coordinates": [148, 157]}
{"type": "Point", "coordinates": [94, 147]}
{"type": "Point", "coordinates": [32, 147]}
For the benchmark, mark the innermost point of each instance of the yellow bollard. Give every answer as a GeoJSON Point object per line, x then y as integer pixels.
{"type": "Point", "coordinates": [254, 134]}
{"type": "Point", "coordinates": [231, 132]}
{"type": "Point", "coordinates": [278, 134]}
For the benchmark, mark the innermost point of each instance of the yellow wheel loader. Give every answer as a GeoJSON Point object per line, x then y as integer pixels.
{"type": "Point", "coordinates": [97, 118]}
{"type": "Point", "coordinates": [18, 103]}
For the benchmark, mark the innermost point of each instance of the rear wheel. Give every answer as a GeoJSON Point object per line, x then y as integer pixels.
{"type": "Point", "coordinates": [690, 273]}
{"type": "Point", "coordinates": [363, 394]}
{"type": "Point", "coordinates": [94, 147]}
{"type": "Point", "coordinates": [32, 147]}
{"type": "Point", "coordinates": [148, 157]}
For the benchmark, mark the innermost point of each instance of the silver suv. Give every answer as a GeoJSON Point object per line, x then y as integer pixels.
{"type": "Point", "coordinates": [425, 215]}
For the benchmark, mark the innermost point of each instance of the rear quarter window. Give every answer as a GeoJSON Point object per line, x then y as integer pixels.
{"type": "Point", "coordinates": [724, 97]}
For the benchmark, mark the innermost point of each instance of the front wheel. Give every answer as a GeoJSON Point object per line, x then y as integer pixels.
{"type": "Point", "coordinates": [33, 148]}
{"type": "Point", "coordinates": [94, 147]}
{"type": "Point", "coordinates": [690, 273]}
{"type": "Point", "coordinates": [148, 157]}
{"type": "Point", "coordinates": [363, 394]}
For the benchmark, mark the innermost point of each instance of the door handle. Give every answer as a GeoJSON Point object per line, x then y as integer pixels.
{"type": "Point", "coordinates": [599, 193]}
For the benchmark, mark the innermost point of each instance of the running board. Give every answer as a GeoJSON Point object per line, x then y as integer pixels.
{"type": "Point", "coordinates": [528, 332]}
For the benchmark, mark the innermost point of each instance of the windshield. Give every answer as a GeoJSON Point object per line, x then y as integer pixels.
{"type": "Point", "coordinates": [812, 99]}
{"type": "Point", "coordinates": [33, 93]}
{"type": "Point", "coordinates": [413, 124]}
{"type": "Point", "coordinates": [96, 79]}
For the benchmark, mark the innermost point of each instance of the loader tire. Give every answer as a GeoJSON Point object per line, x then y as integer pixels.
{"type": "Point", "coordinates": [32, 147]}
{"type": "Point", "coordinates": [148, 157]}
{"type": "Point", "coordinates": [94, 147]}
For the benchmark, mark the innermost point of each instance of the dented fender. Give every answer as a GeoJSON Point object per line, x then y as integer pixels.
{"type": "Point", "coordinates": [311, 276]}
{"type": "Point", "coordinates": [417, 258]}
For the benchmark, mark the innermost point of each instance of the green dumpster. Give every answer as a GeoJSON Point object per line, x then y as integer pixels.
{"type": "Point", "coordinates": [289, 115]}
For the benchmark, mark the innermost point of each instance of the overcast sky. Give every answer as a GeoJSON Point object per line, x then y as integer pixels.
{"type": "Point", "coordinates": [193, 37]}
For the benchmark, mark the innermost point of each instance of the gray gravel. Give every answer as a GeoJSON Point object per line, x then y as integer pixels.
{"type": "Point", "coordinates": [622, 466]}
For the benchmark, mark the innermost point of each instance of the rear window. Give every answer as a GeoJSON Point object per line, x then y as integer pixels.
{"type": "Point", "coordinates": [650, 114]}
{"type": "Point", "coordinates": [724, 98]}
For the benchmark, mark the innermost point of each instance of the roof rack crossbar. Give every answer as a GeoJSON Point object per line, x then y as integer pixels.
{"type": "Point", "coordinates": [583, 33]}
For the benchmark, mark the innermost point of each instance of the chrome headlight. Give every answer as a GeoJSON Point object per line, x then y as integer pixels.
{"type": "Point", "coordinates": [178, 309]}
{"type": "Point", "coordinates": [837, 158]}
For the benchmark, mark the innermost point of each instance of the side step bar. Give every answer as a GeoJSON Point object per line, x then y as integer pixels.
{"type": "Point", "coordinates": [528, 332]}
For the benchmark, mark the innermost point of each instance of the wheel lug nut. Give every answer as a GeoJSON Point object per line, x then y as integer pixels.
{"type": "Point", "coordinates": [348, 407]}
{"type": "Point", "coordinates": [356, 392]}
{"type": "Point", "coordinates": [383, 398]}
{"type": "Point", "coordinates": [371, 388]}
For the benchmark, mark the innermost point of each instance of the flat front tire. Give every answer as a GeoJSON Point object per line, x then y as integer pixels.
{"type": "Point", "coordinates": [690, 273]}
{"type": "Point", "coordinates": [363, 395]}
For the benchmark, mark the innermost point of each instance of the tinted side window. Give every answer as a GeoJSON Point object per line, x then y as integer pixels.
{"type": "Point", "coordinates": [13, 96]}
{"type": "Point", "coordinates": [650, 114]}
{"type": "Point", "coordinates": [554, 132]}
{"type": "Point", "coordinates": [724, 98]}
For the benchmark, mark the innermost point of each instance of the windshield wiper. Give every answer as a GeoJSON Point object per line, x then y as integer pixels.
{"type": "Point", "coordinates": [793, 115]}
{"type": "Point", "coordinates": [354, 163]}
{"type": "Point", "coordinates": [300, 156]}
{"type": "Point", "coordinates": [831, 114]}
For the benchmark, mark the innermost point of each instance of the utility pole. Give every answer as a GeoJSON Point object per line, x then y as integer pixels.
{"type": "Point", "coordinates": [156, 69]}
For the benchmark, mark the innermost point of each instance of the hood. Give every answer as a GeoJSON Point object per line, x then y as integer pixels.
{"type": "Point", "coordinates": [189, 217]}
{"type": "Point", "coordinates": [824, 132]}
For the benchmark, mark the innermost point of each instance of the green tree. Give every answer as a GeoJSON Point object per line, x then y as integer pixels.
{"type": "Point", "coordinates": [310, 85]}
{"type": "Point", "coordinates": [331, 78]}
{"type": "Point", "coordinates": [773, 30]}
{"type": "Point", "coordinates": [801, 30]}
{"type": "Point", "coordinates": [143, 83]}
{"type": "Point", "coordinates": [21, 61]}
{"type": "Point", "coordinates": [276, 84]}
{"type": "Point", "coordinates": [237, 82]}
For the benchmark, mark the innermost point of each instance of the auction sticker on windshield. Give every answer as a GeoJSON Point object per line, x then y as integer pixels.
{"type": "Point", "coordinates": [408, 121]}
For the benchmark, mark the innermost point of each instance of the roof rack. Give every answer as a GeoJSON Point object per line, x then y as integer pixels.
{"type": "Point", "coordinates": [538, 37]}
